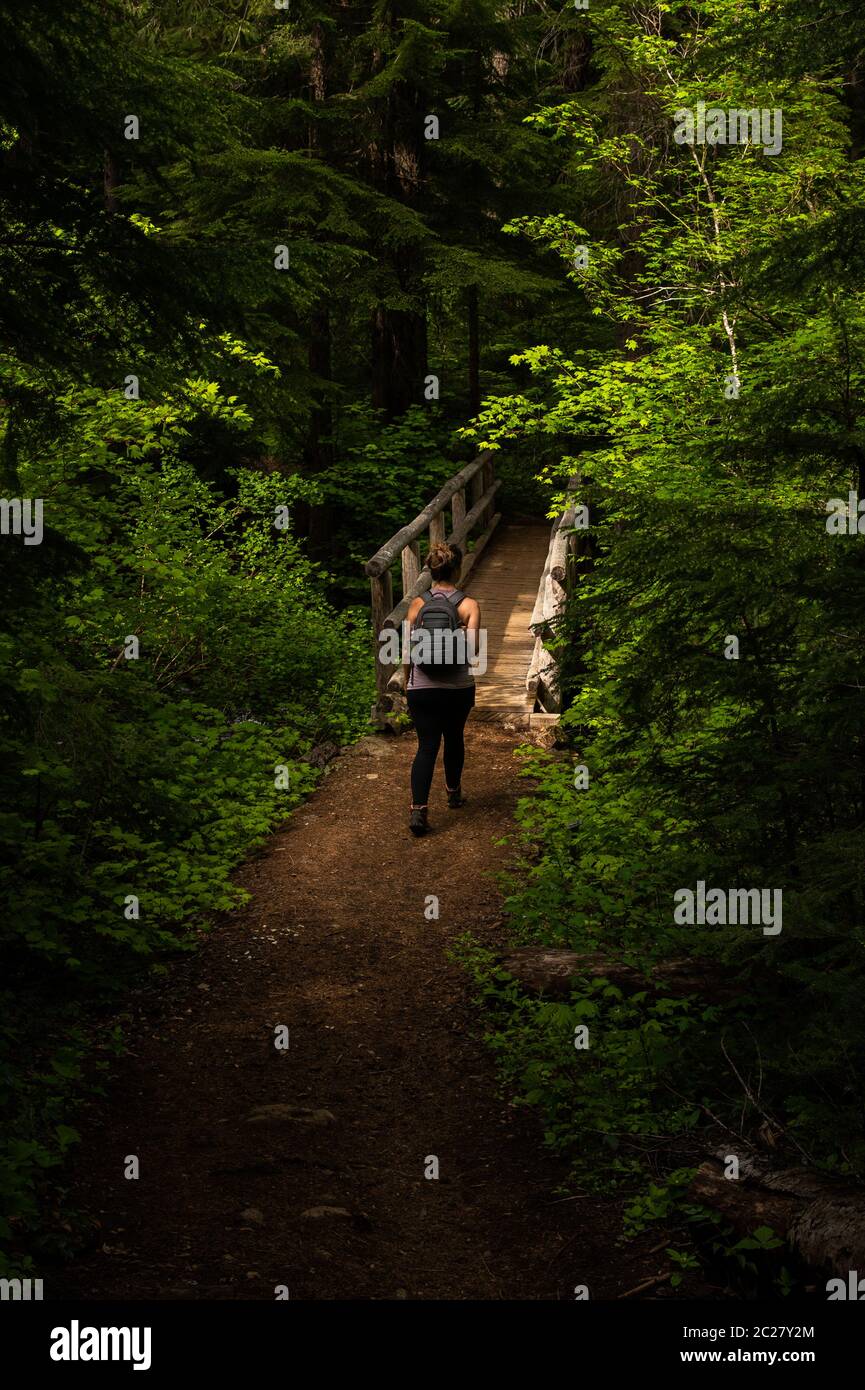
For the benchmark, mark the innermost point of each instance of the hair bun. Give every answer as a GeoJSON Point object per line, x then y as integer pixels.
{"type": "Point", "coordinates": [440, 555]}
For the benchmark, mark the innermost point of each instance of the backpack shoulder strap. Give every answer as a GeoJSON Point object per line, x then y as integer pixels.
{"type": "Point", "coordinates": [455, 598]}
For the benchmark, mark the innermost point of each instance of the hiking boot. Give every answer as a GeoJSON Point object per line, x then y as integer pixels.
{"type": "Point", "coordinates": [456, 798]}
{"type": "Point", "coordinates": [417, 821]}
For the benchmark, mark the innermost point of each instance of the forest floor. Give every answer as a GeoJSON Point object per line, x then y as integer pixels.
{"type": "Point", "coordinates": [325, 1192]}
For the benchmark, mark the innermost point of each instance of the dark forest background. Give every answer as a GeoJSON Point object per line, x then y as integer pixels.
{"type": "Point", "coordinates": [241, 310]}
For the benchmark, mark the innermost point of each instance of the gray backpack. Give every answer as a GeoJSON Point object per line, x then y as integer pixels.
{"type": "Point", "coordinates": [439, 616]}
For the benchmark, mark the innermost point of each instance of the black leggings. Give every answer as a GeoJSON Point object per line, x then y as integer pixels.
{"type": "Point", "coordinates": [438, 713]}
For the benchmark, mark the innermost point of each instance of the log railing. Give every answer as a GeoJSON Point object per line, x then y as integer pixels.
{"type": "Point", "coordinates": [475, 487]}
{"type": "Point", "coordinates": [542, 680]}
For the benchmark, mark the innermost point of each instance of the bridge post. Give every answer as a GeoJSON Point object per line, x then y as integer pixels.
{"type": "Point", "coordinates": [487, 477]}
{"type": "Point", "coordinates": [381, 588]}
{"type": "Point", "coordinates": [476, 487]}
{"type": "Point", "coordinates": [410, 567]}
{"type": "Point", "coordinates": [458, 509]}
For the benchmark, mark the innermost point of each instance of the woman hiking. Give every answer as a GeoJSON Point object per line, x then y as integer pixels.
{"type": "Point", "coordinates": [440, 693]}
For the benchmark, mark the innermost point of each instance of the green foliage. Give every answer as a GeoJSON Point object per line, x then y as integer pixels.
{"type": "Point", "coordinates": [153, 776]}
{"type": "Point", "coordinates": [604, 1104]}
{"type": "Point", "coordinates": [710, 267]}
{"type": "Point", "coordinates": [386, 474]}
{"type": "Point", "coordinates": [134, 776]}
{"type": "Point", "coordinates": [659, 1202]}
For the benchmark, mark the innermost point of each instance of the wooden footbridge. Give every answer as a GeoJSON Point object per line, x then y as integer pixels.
{"type": "Point", "coordinates": [519, 572]}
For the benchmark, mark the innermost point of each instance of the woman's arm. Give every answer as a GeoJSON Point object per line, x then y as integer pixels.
{"type": "Point", "coordinates": [470, 614]}
{"type": "Point", "coordinates": [470, 617]}
{"type": "Point", "coordinates": [410, 619]}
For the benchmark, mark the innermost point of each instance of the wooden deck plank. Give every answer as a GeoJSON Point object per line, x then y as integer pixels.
{"type": "Point", "coordinates": [505, 585]}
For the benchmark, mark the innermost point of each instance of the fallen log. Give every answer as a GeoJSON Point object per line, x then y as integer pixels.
{"type": "Point", "coordinates": [821, 1218]}
{"type": "Point", "coordinates": [746, 1212]}
{"type": "Point", "coordinates": [554, 970]}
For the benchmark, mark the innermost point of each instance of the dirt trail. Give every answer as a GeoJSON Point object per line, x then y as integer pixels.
{"type": "Point", "coordinates": [384, 1068]}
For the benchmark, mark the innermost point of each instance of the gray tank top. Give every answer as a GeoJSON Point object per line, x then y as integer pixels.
{"type": "Point", "coordinates": [458, 679]}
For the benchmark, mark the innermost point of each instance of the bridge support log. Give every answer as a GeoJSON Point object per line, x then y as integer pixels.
{"type": "Point", "coordinates": [489, 474]}
{"type": "Point", "coordinates": [437, 530]}
{"type": "Point", "coordinates": [458, 510]}
{"type": "Point", "coordinates": [410, 568]}
{"type": "Point", "coordinates": [389, 552]}
{"type": "Point", "coordinates": [550, 603]}
{"type": "Point", "coordinates": [381, 587]}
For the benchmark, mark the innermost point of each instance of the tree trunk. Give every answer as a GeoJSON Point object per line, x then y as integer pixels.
{"type": "Point", "coordinates": [474, 352]}
{"type": "Point", "coordinates": [109, 181]}
{"type": "Point", "coordinates": [399, 336]}
{"type": "Point", "coordinates": [399, 357]}
{"type": "Point", "coordinates": [318, 450]}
